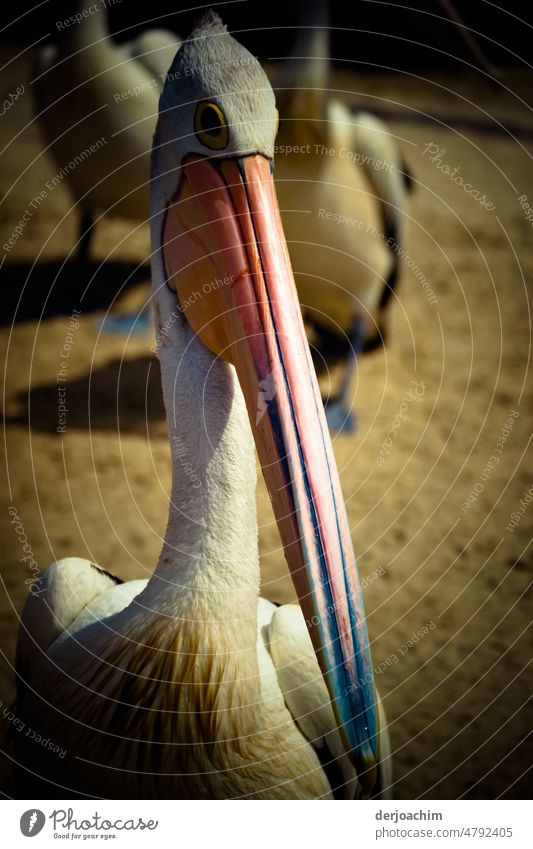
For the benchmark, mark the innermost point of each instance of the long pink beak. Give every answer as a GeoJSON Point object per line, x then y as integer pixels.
{"type": "Point", "coordinates": [224, 224]}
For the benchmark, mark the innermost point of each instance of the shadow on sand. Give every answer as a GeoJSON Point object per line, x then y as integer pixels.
{"type": "Point", "coordinates": [47, 289]}
{"type": "Point", "coordinates": [122, 395]}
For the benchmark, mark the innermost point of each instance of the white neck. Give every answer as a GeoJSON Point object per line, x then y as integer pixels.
{"type": "Point", "coordinates": [209, 564]}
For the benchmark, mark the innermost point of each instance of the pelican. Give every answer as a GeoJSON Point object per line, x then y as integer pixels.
{"type": "Point", "coordinates": [90, 90]}
{"type": "Point", "coordinates": [343, 189]}
{"type": "Point", "coordinates": [188, 685]}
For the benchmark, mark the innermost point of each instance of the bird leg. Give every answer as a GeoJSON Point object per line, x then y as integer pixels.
{"type": "Point", "coordinates": [338, 414]}
{"type": "Point", "coordinates": [136, 322]}
{"type": "Point", "coordinates": [85, 237]}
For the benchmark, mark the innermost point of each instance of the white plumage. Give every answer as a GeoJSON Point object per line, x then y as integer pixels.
{"type": "Point", "coordinates": [343, 189]}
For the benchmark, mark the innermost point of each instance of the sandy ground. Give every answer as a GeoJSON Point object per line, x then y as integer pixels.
{"type": "Point", "coordinates": [457, 699]}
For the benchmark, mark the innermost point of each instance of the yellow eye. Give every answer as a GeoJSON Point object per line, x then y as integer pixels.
{"type": "Point", "coordinates": [277, 123]}
{"type": "Point", "coordinates": [210, 125]}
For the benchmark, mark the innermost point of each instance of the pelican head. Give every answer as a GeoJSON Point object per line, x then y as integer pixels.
{"type": "Point", "coordinates": [215, 217]}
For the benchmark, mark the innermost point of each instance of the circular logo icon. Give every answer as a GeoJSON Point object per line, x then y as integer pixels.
{"type": "Point", "coordinates": [32, 822]}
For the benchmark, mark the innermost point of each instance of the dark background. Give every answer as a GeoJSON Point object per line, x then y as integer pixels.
{"type": "Point", "coordinates": [367, 33]}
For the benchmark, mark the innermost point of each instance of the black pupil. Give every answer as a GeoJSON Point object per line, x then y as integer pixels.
{"type": "Point", "coordinates": [210, 121]}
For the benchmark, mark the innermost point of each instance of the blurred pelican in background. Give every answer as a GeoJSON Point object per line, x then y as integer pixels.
{"type": "Point", "coordinates": [343, 189]}
{"type": "Point", "coordinates": [89, 89]}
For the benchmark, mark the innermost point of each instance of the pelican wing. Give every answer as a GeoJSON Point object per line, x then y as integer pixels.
{"type": "Point", "coordinates": [70, 594]}
{"type": "Point", "coordinates": [308, 701]}
{"type": "Point", "coordinates": [384, 165]}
